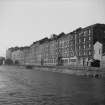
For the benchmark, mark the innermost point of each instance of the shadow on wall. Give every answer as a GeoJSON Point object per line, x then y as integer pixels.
{"type": "Point", "coordinates": [16, 62]}
{"type": "Point", "coordinates": [95, 63]}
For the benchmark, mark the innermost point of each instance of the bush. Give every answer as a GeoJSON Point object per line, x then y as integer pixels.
{"type": "Point", "coordinates": [8, 62]}
{"type": "Point", "coordinates": [16, 62]}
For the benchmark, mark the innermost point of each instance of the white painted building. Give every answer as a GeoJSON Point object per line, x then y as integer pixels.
{"type": "Point", "coordinates": [98, 51]}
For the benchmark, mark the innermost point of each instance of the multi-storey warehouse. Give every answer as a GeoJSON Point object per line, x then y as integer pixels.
{"type": "Point", "coordinates": [80, 47]}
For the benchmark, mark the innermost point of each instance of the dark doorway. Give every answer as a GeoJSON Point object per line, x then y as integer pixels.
{"type": "Point", "coordinates": [95, 63]}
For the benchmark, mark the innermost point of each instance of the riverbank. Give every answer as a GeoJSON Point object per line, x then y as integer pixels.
{"type": "Point", "coordinates": [73, 70]}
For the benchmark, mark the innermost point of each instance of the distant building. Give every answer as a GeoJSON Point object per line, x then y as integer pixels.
{"type": "Point", "coordinates": [9, 53]}
{"type": "Point", "coordinates": [17, 54]}
{"type": "Point", "coordinates": [2, 60]}
{"type": "Point", "coordinates": [25, 53]}
{"type": "Point", "coordinates": [18, 57]}
{"type": "Point", "coordinates": [51, 50]}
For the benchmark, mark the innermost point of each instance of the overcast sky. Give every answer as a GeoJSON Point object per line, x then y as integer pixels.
{"type": "Point", "coordinates": [24, 21]}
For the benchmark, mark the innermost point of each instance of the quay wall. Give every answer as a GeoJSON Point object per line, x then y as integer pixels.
{"type": "Point", "coordinates": [72, 70]}
{"type": "Point", "coordinates": [80, 71]}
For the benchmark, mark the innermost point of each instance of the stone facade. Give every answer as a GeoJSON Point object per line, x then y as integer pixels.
{"type": "Point", "coordinates": [18, 57]}
{"type": "Point", "coordinates": [9, 52]}
{"type": "Point", "coordinates": [52, 50]}
{"type": "Point", "coordinates": [74, 48]}
{"type": "Point", "coordinates": [84, 45]}
{"type": "Point", "coordinates": [25, 51]}
{"type": "Point", "coordinates": [66, 48]}
{"type": "Point", "coordinates": [18, 54]}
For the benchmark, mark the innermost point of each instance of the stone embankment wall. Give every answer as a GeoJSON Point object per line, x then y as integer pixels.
{"type": "Point", "coordinates": [84, 71]}
{"type": "Point", "coordinates": [103, 62]}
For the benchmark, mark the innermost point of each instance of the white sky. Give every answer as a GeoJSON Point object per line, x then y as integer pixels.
{"type": "Point", "coordinates": [24, 21]}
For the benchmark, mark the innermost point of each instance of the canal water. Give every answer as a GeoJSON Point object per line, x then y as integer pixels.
{"type": "Point", "coordinates": [31, 87]}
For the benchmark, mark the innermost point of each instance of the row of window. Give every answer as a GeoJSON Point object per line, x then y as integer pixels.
{"type": "Point", "coordinates": [67, 49]}
{"type": "Point", "coordinates": [67, 43]}
{"type": "Point", "coordinates": [84, 39]}
{"type": "Point", "coordinates": [85, 53]}
{"type": "Point", "coordinates": [68, 46]}
{"type": "Point", "coordinates": [50, 61]}
{"type": "Point", "coordinates": [62, 60]}
{"type": "Point", "coordinates": [84, 46]}
{"type": "Point", "coordinates": [49, 57]}
{"type": "Point", "coordinates": [65, 55]}
{"type": "Point", "coordinates": [69, 60]}
{"type": "Point", "coordinates": [85, 33]}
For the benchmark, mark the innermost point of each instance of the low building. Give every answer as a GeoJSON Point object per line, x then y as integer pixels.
{"type": "Point", "coordinates": [9, 52]}
{"type": "Point", "coordinates": [18, 57]}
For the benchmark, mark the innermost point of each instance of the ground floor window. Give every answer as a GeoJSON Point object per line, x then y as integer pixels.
{"type": "Point", "coordinates": [65, 61]}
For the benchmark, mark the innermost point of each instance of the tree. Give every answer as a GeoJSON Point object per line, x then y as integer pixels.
{"type": "Point", "coordinates": [8, 62]}
{"type": "Point", "coordinates": [16, 62]}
